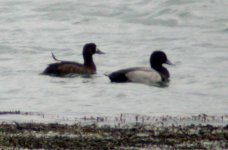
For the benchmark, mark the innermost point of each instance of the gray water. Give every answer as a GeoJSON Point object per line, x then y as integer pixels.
{"type": "Point", "coordinates": [194, 35]}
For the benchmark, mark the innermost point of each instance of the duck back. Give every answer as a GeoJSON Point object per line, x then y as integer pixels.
{"type": "Point", "coordinates": [64, 68]}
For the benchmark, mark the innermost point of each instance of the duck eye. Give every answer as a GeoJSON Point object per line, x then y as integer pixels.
{"type": "Point", "coordinates": [163, 57]}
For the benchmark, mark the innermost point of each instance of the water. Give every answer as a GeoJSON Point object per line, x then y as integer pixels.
{"type": "Point", "coordinates": [193, 34]}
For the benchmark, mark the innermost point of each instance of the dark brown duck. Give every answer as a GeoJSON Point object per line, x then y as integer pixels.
{"type": "Point", "coordinates": [62, 68]}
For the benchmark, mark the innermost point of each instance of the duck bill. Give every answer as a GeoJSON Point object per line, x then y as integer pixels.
{"type": "Point", "coordinates": [99, 51]}
{"type": "Point", "coordinates": [169, 62]}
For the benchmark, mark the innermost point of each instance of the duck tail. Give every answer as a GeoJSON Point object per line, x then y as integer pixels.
{"type": "Point", "coordinates": [53, 56]}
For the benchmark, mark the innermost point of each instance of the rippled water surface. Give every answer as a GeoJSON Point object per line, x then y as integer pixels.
{"type": "Point", "coordinates": [194, 35]}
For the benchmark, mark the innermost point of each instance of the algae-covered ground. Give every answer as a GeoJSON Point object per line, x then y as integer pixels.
{"type": "Point", "coordinates": [15, 135]}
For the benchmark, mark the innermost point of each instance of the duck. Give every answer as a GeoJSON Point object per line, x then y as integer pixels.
{"type": "Point", "coordinates": [157, 72]}
{"type": "Point", "coordinates": [62, 68]}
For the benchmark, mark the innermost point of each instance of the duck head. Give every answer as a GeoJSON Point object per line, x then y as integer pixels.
{"type": "Point", "coordinates": [158, 58]}
{"type": "Point", "coordinates": [90, 49]}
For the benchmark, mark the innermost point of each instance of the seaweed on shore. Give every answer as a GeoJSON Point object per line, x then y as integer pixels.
{"type": "Point", "coordinates": [64, 136]}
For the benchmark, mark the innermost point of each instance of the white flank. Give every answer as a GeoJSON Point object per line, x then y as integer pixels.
{"type": "Point", "coordinates": [144, 76]}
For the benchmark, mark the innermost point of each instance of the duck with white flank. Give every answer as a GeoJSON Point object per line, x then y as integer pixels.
{"type": "Point", "coordinates": [157, 72]}
{"type": "Point", "coordinates": [63, 68]}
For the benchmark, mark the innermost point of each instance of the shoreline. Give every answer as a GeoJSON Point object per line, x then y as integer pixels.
{"type": "Point", "coordinates": [100, 133]}
{"type": "Point", "coordinates": [63, 136]}
{"type": "Point", "coordinates": [120, 119]}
